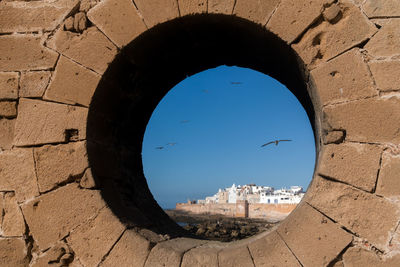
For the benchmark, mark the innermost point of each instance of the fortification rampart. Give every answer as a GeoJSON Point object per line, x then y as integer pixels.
{"type": "Point", "coordinates": [254, 210]}
{"type": "Point", "coordinates": [79, 80]}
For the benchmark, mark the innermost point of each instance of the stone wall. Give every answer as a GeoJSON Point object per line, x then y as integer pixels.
{"type": "Point", "coordinates": [266, 211]}
{"type": "Point", "coordinates": [78, 83]}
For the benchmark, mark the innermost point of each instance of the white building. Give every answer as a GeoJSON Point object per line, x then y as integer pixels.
{"type": "Point", "coordinates": [257, 194]}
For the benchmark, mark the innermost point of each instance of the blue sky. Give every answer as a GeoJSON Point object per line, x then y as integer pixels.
{"type": "Point", "coordinates": [218, 128]}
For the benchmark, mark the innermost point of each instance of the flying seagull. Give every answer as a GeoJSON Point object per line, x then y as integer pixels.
{"type": "Point", "coordinates": [276, 142]}
{"type": "Point", "coordinates": [160, 147]}
{"type": "Point", "coordinates": [171, 144]}
{"type": "Point", "coordinates": [236, 82]}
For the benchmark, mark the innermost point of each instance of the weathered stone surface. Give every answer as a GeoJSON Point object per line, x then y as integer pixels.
{"type": "Point", "coordinates": [118, 19]}
{"type": "Point", "coordinates": [40, 122]}
{"type": "Point", "coordinates": [355, 257]}
{"type": "Point", "coordinates": [344, 78]}
{"type": "Point", "coordinates": [87, 180]}
{"type": "Point", "coordinates": [13, 222]}
{"type": "Point", "coordinates": [385, 42]}
{"type": "Point", "coordinates": [58, 164]}
{"type": "Point", "coordinates": [187, 7]}
{"type": "Point", "coordinates": [59, 254]}
{"type": "Point", "coordinates": [86, 5]}
{"type": "Point", "coordinates": [386, 74]}
{"type": "Point", "coordinates": [255, 10]}
{"type": "Point", "coordinates": [389, 176]}
{"type": "Point", "coordinates": [235, 257]}
{"type": "Point", "coordinates": [8, 109]}
{"type": "Point", "coordinates": [24, 52]}
{"type": "Point", "coordinates": [272, 251]}
{"type": "Point", "coordinates": [201, 256]}
{"type": "Point", "coordinates": [52, 216]}
{"type": "Point", "coordinates": [293, 17]}
{"type": "Point", "coordinates": [332, 13]}
{"type": "Point", "coordinates": [381, 8]}
{"type": "Point", "coordinates": [221, 6]}
{"type": "Point", "coordinates": [325, 239]}
{"type": "Point", "coordinates": [327, 39]}
{"type": "Point", "coordinates": [8, 85]}
{"type": "Point", "coordinates": [80, 22]}
{"type": "Point", "coordinates": [131, 250]}
{"type": "Point", "coordinates": [157, 11]}
{"type": "Point", "coordinates": [72, 83]}
{"type": "Point", "coordinates": [169, 253]}
{"type": "Point", "coordinates": [355, 209]}
{"type": "Point", "coordinates": [372, 120]}
{"type": "Point", "coordinates": [334, 137]}
{"type": "Point", "coordinates": [355, 164]}
{"type": "Point", "coordinates": [13, 252]}
{"type": "Point", "coordinates": [6, 133]}
{"type": "Point", "coordinates": [93, 240]}
{"type": "Point", "coordinates": [85, 48]}
{"type": "Point", "coordinates": [33, 16]}
{"type": "Point", "coordinates": [17, 172]}
{"type": "Point", "coordinates": [34, 83]}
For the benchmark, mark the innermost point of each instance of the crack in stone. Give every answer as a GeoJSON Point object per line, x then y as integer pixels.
{"type": "Point", "coordinates": [289, 249]}
{"type": "Point", "coordinates": [251, 256]}
{"type": "Point", "coordinates": [378, 172]}
{"type": "Point", "coordinates": [112, 247]}
{"type": "Point", "coordinates": [332, 179]}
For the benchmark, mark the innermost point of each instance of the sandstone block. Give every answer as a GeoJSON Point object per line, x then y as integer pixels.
{"type": "Point", "coordinates": [40, 122]}
{"type": "Point", "coordinates": [118, 19]}
{"type": "Point", "coordinates": [293, 17]}
{"type": "Point", "coordinates": [386, 74]}
{"type": "Point", "coordinates": [334, 137]}
{"type": "Point", "coordinates": [85, 48]}
{"type": "Point", "coordinates": [72, 83]}
{"type": "Point", "coordinates": [80, 22]}
{"type": "Point", "coordinates": [17, 172]}
{"type": "Point", "coordinates": [13, 252]}
{"type": "Point", "coordinates": [201, 256]}
{"type": "Point", "coordinates": [13, 222]}
{"type": "Point", "coordinates": [389, 176]}
{"type": "Point", "coordinates": [325, 239]}
{"type": "Point", "coordinates": [93, 240]}
{"type": "Point", "coordinates": [272, 251]}
{"type": "Point", "coordinates": [364, 214]}
{"type": "Point", "coordinates": [157, 11]}
{"type": "Point", "coordinates": [235, 257]}
{"type": "Point", "coordinates": [221, 6]}
{"type": "Point", "coordinates": [169, 253]}
{"type": "Point", "coordinates": [122, 253]}
{"type": "Point", "coordinates": [33, 16]}
{"type": "Point", "coordinates": [370, 120]}
{"type": "Point", "coordinates": [328, 39]}
{"type": "Point", "coordinates": [356, 256]}
{"type": "Point", "coordinates": [87, 180]}
{"type": "Point", "coordinates": [25, 52]}
{"type": "Point", "coordinates": [59, 254]}
{"type": "Point", "coordinates": [187, 7]}
{"type": "Point", "coordinates": [59, 164]}
{"type": "Point", "coordinates": [385, 42]}
{"type": "Point", "coordinates": [381, 8]}
{"type": "Point", "coordinates": [8, 85]}
{"type": "Point", "coordinates": [6, 133]}
{"type": "Point", "coordinates": [86, 5]}
{"type": "Point", "coordinates": [34, 83]}
{"type": "Point", "coordinates": [53, 215]}
{"type": "Point", "coordinates": [344, 78]}
{"type": "Point", "coordinates": [255, 10]}
{"type": "Point", "coordinates": [355, 164]}
{"type": "Point", "coordinates": [8, 109]}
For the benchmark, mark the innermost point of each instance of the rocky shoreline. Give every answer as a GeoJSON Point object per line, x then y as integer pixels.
{"type": "Point", "coordinates": [219, 227]}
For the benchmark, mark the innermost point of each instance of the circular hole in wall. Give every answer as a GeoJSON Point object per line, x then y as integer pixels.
{"type": "Point", "coordinates": [144, 72]}
{"type": "Point", "coordinates": [228, 153]}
